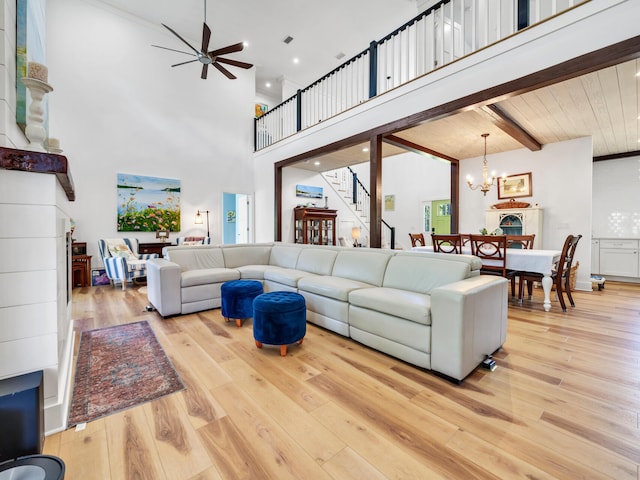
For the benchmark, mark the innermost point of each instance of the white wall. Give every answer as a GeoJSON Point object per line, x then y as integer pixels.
{"type": "Point", "coordinates": [413, 179]}
{"type": "Point", "coordinates": [118, 107]}
{"type": "Point", "coordinates": [561, 184]}
{"type": "Point", "coordinates": [616, 198]}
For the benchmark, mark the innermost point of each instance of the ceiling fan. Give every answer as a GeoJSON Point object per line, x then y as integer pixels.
{"type": "Point", "coordinates": [212, 57]}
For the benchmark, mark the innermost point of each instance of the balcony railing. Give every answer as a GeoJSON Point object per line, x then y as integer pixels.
{"type": "Point", "coordinates": [445, 32]}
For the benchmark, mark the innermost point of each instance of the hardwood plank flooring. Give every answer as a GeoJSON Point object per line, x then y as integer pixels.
{"type": "Point", "coordinates": [564, 402]}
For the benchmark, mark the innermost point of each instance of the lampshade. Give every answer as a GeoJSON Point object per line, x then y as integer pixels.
{"type": "Point", "coordinates": [198, 218]}
{"type": "Point", "coordinates": [355, 233]}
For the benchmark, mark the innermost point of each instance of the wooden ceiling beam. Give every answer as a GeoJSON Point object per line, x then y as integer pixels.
{"type": "Point", "coordinates": [495, 115]}
{"type": "Point", "coordinates": [414, 147]}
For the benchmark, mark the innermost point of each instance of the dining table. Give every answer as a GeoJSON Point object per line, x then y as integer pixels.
{"type": "Point", "coordinates": [523, 260]}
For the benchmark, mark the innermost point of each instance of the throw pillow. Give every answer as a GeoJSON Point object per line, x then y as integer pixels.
{"type": "Point", "coordinates": [121, 250]}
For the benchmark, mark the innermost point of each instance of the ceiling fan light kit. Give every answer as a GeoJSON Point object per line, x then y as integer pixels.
{"type": "Point", "coordinates": [206, 57]}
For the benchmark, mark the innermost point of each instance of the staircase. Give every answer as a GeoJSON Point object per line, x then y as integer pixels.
{"type": "Point", "coordinates": [345, 183]}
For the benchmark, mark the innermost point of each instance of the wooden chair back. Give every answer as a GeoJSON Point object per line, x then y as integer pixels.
{"type": "Point", "coordinates": [563, 269]}
{"type": "Point", "coordinates": [451, 243]}
{"type": "Point", "coordinates": [417, 240]}
{"type": "Point", "coordinates": [520, 241]}
{"type": "Point", "coordinates": [492, 250]}
{"type": "Point", "coordinates": [466, 238]}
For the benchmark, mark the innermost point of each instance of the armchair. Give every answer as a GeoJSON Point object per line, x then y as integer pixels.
{"type": "Point", "coordinates": [193, 240]}
{"type": "Point", "coordinates": [122, 261]}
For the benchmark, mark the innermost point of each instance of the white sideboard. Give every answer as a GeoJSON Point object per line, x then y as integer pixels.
{"type": "Point", "coordinates": [529, 218]}
{"type": "Point", "coordinates": [616, 257]}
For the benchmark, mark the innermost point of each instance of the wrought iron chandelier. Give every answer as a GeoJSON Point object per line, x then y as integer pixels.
{"type": "Point", "coordinates": [487, 182]}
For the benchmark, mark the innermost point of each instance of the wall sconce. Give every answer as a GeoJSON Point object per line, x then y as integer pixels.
{"type": "Point", "coordinates": [199, 220]}
{"type": "Point", "coordinates": [355, 234]}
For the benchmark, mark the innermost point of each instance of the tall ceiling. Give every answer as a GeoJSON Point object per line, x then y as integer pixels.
{"type": "Point", "coordinates": [604, 105]}
{"type": "Point", "coordinates": [320, 30]}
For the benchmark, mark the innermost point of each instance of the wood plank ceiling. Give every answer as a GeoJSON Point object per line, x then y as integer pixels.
{"type": "Point", "coordinates": [604, 105]}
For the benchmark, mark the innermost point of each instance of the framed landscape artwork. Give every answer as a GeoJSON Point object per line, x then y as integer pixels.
{"type": "Point", "coordinates": [515, 186]}
{"type": "Point", "coordinates": [148, 204]}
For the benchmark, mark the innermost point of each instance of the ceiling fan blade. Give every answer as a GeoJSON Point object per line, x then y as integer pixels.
{"type": "Point", "coordinates": [184, 63]}
{"type": "Point", "coordinates": [235, 63]}
{"type": "Point", "coordinates": [174, 50]}
{"type": "Point", "coordinates": [226, 72]}
{"type": "Point", "coordinates": [176, 34]}
{"type": "Point", "coordinates": [230, 49]}
{"type": "Point", "coordinates": [206, 35]}
{"type": "Point", "coordinates": [205, 68]}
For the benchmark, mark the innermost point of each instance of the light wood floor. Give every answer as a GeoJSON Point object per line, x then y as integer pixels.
{"type": "Point", "coordinates": [563, 403]}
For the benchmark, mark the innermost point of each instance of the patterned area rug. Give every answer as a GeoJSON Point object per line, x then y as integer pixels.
{"type": "Point", "coordinates": [119, 367]}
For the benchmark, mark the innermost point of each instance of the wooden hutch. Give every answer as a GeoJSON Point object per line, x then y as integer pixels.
{"type": "Point", "coordinates": [315, 226]}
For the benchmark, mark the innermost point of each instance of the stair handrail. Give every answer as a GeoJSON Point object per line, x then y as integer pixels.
{"type": "Point", "coordinates": [356, 198]}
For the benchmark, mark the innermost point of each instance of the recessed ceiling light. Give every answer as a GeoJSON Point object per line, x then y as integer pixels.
{"type": "Point", "coordinates": [268, 85]}
{"type": "Point", "coordinates": [365, 149]}
{"type": "Point", "coordinates": [316, 163]}
{"type": "Point", "coordinates": [245, 44]}
{"type": "Point", "coordinates": [296, 60]}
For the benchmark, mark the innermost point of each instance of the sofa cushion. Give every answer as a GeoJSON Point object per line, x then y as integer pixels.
{"type": "Point", "coordinates": [208, 276]}
{"type": "Point", "coordinates": [317, 260]}
{"type": "Point", "coordinates": [255, 272]}
{"type": "Point", "coordinates": [239, 255]}
{"type": "Point", "coordinates": [330, 286]}
{"type": "Point", "coordinates": [196, 257]}
{"type": "Point", "coordinates": [418, 273]}
{"type": "Point", "coordinates": [392, 301]}
{"type": "Point", "coordinates": [362, 265]}
{"type": "Point", "coordinates": [285, 276]}
{"type": "Point", "coordinates": [285, 256]}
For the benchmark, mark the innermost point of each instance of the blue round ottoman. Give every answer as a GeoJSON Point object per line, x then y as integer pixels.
{"type": "Point", "coordinates": [237, 299]}
{"type": "Point", "coordinates": [279, 318]}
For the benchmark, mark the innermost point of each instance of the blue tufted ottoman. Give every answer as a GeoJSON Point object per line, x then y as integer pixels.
{"type": "Point", "coordinates": [237, 299]}
{"type": "Point", "coordinates": [279, 318]}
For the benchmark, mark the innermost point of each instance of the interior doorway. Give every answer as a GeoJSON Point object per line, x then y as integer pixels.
{"type": "Point", "coordinates": [237, 218]}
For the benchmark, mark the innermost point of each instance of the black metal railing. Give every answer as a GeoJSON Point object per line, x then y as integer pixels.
{"type": "Point", "coordinates": [443, 33]}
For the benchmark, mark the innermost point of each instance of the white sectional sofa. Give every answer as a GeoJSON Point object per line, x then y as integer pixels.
{"type": "Point", "coordinates": [431, 310]}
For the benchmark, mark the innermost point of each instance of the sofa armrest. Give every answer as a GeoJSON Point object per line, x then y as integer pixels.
{"type": "Point", "coordinates": [163, 286]}
{"type": "Point", "coordinates": [468, 321]}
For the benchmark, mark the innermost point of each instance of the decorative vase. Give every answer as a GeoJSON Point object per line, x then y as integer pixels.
{"type": "Point", "coordinates": [326, 202]}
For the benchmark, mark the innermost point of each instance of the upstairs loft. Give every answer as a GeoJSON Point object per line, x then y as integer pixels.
{"type": "Point", "coordinates": [421, 59]}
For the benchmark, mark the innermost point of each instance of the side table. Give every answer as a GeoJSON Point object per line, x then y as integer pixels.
{"type": "Point", "coordinates": [81, 270]}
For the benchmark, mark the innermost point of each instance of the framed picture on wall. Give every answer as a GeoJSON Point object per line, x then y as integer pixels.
{"type": "Point", "coordinates": [390, 203]}
{"type": "Point", "coordinates": [515, 186]}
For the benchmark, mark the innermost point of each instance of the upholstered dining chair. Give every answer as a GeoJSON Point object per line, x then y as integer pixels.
{"type": "Point", "coordinates": [450, 243]}
{"type": "Point", "coordinates": [521, 241]}
{"type": "Point", "coordinates": [122, 261]}
{"type": "Point", "coordinates": [492, 250]}
{"type": "Point", "coordinates": [561, 273]}
{"type": "Point", "coordinates": [417, 240]}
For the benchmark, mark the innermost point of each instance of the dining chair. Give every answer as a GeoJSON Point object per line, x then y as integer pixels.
{"type": "Point", "coordinates": [492, 250]}
{"type": "Point", "coordinates": [450, 243]}
{"type": "Point", "coordinates": [560, 274]}
{"type": "Point", "coordinates": [417, 240]}
{"type": "Point", "coordinates": [466, 238]}
{"type": "Point", "coordinates": [520, 241]}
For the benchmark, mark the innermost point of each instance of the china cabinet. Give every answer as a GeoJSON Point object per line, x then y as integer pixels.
{"type": "Point", "coordinates": [315, 226]}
